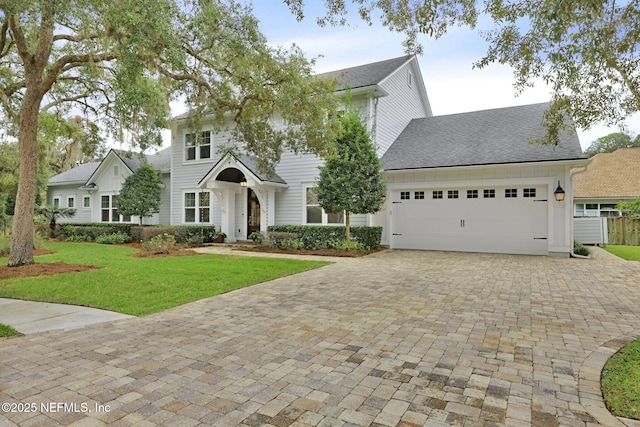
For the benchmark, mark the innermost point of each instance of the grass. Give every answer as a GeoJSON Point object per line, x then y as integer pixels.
{"type": "Point", "coordinates": [7, 331]}
{"type": "Point", "coordinates": [621, 381]}
{"type": "Point", "coordinates": [630, 253]}
{"type": "Point", "coordinates": [142, 286]}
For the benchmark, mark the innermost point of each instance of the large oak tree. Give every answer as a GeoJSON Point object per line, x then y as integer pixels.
{"type": "Point", "coordinates": [120, 62]}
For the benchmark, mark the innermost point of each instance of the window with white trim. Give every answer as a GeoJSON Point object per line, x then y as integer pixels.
{"type": "Point", "coordinates": [472, 194]}
{"type": "Point", "coordinates": [71, 202]}
{"type": "Point", "coordinates": [529, 192]}
{"type": "Point", "coordinates": [86, 202]}
{"type": "Point", "coordinates": [197, 207]}
{"type": "Point", "coordinates": [437, 194]}
{"type": "Point", "coordinates": [511, 193]}
{"type": "Point", "coordinates": [109, 210]}
{"type": "Point", "coordinates": [418, 195]}
{"type": "Point", "coordinates": [314, 214]}
{"type": "Point", "coordinates": [405, 195]}
{"type": "Point", "coordinates": [452, 194]}
{"type": "Point", "coordinates": [489, 194]}
{"type": "Point", "coordinates": [197, 145]}
{"type": "Point", "coordinates": [56, 202]}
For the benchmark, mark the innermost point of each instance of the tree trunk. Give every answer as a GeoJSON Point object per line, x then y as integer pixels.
{"type": "Point", "coordinates": [347, 223]}
{"type": "Point", "coordinates": [22, 243]}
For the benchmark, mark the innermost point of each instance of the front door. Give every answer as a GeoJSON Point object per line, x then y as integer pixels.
{"type": "Point", "coordinates": [253, 209]}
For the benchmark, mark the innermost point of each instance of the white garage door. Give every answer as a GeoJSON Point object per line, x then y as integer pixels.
{"type": "Point", "coordinates": [496, 219]}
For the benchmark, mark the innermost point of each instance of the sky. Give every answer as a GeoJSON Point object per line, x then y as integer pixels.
{"type": "Point", "coordinates": [452, 85]}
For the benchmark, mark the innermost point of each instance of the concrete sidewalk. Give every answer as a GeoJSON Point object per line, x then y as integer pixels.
{"type": "Point", "coordinates": [30, 317]}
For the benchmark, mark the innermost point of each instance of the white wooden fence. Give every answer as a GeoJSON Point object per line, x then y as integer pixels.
{"type": "Point", "coordinates": [591, 231]}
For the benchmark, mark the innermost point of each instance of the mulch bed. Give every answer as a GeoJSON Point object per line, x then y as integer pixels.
{"type": "Point", "coordinates": [42, 269]}
{"type": "Point", "coordinates": [320, 252]}
{"type": "Point", "coordinates": [142, 253]}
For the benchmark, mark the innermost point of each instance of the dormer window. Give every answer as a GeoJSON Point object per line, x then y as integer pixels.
{"type": "Point", "coordinates": [197, 145]}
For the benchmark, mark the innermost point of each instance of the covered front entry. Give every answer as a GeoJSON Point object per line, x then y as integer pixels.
{"type": "Point", "coordinates": [494, 219]}
{"type": "Point", "coordinates": [246, 198]}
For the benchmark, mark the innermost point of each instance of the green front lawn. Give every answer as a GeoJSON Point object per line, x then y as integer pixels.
{"type": "Point", "coordinates": [142, 286]}
{"type": "Point", "coordinates": [7, 331]}
{"type": "Point", "coordinates": [621, 381]}
{"type": "Point", "coordinates": [630, 253]}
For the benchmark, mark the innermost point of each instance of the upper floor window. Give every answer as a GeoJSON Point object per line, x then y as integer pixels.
{"type": "Point", "coordinates": [71, 202]}
{"type": "Point", "coordinates": [197, 145]}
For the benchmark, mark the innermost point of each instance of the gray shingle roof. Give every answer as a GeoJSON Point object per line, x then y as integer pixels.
{"type": "Point", "coordinates": [478, 138]}
{"type": "Point", "coordinates": [78, 174]}
{"type": "Point", "coordinates": [367, 74]}
{"type": "Point", "coordinates": [81, 173]}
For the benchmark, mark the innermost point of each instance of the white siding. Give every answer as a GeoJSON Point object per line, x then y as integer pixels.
{"type": "Point", "coordinates": [396, 110]}
{"type": "Point", "coordinates": [63, 192]}
{"type": "Point", "coordinates": [185, 175]}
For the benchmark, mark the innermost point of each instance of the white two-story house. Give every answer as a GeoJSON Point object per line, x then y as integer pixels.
{"type": "Point", "coordinates": [462, 182]}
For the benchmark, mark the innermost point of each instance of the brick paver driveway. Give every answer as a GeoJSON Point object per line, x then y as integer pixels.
{"type": "Point", "coordinates": [400, 338]}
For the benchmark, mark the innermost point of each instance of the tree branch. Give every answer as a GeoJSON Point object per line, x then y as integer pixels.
{"type": "Point", "coordinates": [69, 62]}
{"type": "Point", "coordinates": [59, 101]}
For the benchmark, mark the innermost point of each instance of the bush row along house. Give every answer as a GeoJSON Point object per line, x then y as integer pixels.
{"type": "Point", "coordinates": [460, 182]}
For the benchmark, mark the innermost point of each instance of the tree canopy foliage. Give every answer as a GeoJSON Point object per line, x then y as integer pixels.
{"type": "Point", "coordinates": [587, 51]}
{"type": "Point", "coordinates": [120, 62]}
{"type": "Point", "coordinates": [140, 193]}
{"type": "Point", "coordinates": [351, 178]}
{"type": "Point", "coordinates": [610, 143]}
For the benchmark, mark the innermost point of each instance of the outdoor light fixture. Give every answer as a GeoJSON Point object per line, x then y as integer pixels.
{"type": "Point", "coordinates": [243, 182]}
{"type": "Point", "coordinates": [559, 193]}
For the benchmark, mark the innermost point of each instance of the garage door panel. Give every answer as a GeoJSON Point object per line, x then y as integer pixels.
{"type": "Point", "coordinates": [501, 225]}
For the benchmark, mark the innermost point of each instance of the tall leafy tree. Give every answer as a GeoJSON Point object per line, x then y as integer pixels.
{"type": "Point", "coordinates": [351, 178]}
{"type": "Point", "coordinates": [119, 62]}
{"type": "Point", "coordinates": [587, 51]}
{"type": "Point", "coordinates": [631, 208]}
{"type": "Point", "coordinates": [140, 193]}
{"type": "Point", "coordinates": [610, 143]}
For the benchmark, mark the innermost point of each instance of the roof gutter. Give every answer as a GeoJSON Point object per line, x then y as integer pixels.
{"type": "Point", "coordinates": [576, 160]}
{"type": "Point", "coordinates": [572, 173]}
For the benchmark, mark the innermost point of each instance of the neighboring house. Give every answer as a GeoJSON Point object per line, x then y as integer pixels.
{"type": "Point", "coordinates": [92, 188]}
{"type": "Point", "coordinates": [462, 182]}
{"type": "Point", "coordinates": [609, 179]}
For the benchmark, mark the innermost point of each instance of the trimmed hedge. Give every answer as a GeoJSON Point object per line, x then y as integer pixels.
{"type": "Point", "coordinates": [93, 230]}
{"type": "Point", "coordinates": [325, 237]}
{"type": "Point", "coordinates": [182, 234]}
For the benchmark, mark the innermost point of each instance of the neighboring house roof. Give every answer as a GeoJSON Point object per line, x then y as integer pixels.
{"type": "Point", "coordinates": [368, 74]}
{"type": "Point", "coordinates": [610, 175]}
{"type": "Point", "coordinates": [82, 173]}
{"type": "Point", "coordinates": [498, 136]}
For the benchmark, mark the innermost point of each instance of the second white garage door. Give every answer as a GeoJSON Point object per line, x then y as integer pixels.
{"type": "Point", "coordinates": [497, 220]}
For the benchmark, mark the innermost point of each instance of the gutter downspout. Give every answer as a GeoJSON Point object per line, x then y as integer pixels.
{"type": "Point", "coordinates": [573, 172]}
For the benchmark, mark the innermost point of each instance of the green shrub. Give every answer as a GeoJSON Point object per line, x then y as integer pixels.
{"type": "Point", "coordinates": [182, 234]}
{"type": "Point", "coordinates": [113, 239]}
{"type": "Point", "coordinates": [93, 230]}
{"type": "Point", "coordinates": [160, 244]}
{"type": "Point", "coordinates": [350, 245]}
{"type": "Point", "coordinates": [579, 249]}
{"type": "Point", "coordinates": [78, 238]}
{"type": "Point", "coordinates": [5, 247]}
{"type": "Point", "coordinates": [326, 237]}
